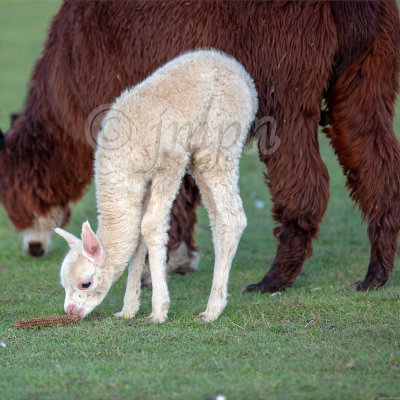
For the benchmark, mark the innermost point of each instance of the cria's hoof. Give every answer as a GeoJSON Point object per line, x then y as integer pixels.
{"type": "Point", "coordinates": [124, 314]}
{"type": "Point", "coordinates": [206, 317]}
{"type": "Point", "coordinates": [156, 319]}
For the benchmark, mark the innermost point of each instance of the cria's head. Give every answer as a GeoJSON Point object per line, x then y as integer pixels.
{"type": "Point", "coordinates": [82, 272]}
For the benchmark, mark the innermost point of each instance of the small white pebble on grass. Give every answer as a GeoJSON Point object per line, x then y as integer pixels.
{"type": "Point", "coordinates": [220, 397]}
{"type": "Point", "coordinates": [258, 204]}
{"type": "Point", "coordinates": [2, 344]}
{"type": "Point", "coordinates": [274, 294]}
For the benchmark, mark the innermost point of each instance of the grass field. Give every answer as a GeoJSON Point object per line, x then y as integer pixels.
{"type": "Point", "coordinates": [314, 341]}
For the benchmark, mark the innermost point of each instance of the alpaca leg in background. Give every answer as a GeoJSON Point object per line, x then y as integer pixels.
{"type": "Point", "coordinates": [164, 188]}
{"type": "Point", "coordinates": [219, 187]}
{"type": "Point", "coordinates": [299, 184]}
{"type": "Point", "coordinates": [361, 104]}
{"type": "Point", "coordinates": [182, 251]}
{"type": "Point", "coordinates": [296, 175]}
{"type": "Point", "coordinates": [133, 285]}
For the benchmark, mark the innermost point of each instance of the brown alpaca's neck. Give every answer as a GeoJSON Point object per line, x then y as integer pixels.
{"type": "Point", "coordinates": [42, 166]}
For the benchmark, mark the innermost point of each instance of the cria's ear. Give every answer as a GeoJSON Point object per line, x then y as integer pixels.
{"type": "Point", "coordinates": [2, 139]}
{"type": "Point", "coordinates": [69, 237]}
{"type": "Point", "coordinates": [91, 246]}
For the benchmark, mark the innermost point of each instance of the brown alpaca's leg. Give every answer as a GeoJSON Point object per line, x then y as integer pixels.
{"type": "Point", "coordinates": [299, 185]}
{"type": "Point", "coordinates": [361, 106]}
{"type": "Point", "coordinates": [182, 250]}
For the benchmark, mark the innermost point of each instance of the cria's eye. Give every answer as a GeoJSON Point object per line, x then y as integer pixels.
{"type": "Point", "coordinates": [85, 285]}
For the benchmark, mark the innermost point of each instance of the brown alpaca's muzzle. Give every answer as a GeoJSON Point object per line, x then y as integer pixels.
{"type": "Point", "coordinates": [35, 249]}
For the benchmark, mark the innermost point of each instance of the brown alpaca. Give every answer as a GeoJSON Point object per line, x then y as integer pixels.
{"type": "Point", "coordinates": [298, 53]}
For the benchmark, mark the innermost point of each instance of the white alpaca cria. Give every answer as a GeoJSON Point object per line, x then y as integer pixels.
{"type": "Point", "coordinates": [193, 113]}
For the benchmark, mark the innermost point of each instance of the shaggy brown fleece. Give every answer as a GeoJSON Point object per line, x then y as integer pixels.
{"type": "Point", "coordinates": [297, 52]}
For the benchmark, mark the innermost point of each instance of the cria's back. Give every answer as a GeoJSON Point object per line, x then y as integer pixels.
{"type": "Point", "coordinates": [200, 100]}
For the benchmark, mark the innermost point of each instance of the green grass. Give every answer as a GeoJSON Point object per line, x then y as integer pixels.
{"type": "Point", "coordinates": [314, 341]}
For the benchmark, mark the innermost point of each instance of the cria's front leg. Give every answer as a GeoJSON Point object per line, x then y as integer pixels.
{"type": "Point", "coordinates": [133, 286]}
{"type": "Point", "coordinates": [155, 225]}
{"type": "Point", "coordinates": [215, 307]}
{"type": "Point", "coordinates": [159, 313]}
{"type": "Point", "coordinates": [160, 297]}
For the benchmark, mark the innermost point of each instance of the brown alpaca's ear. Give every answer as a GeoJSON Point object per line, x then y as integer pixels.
{"type": "Point", "coordinates": [13, 117]}
{"type": "Point", "coordinates": [2, 140]}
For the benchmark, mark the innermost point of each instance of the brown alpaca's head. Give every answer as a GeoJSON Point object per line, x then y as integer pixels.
{"type": "Point", "coordinates": [20, 195]}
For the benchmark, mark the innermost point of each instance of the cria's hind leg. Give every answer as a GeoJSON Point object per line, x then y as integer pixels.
{"type": "Point", "coordinates": [165, 185]}
{"type": "Point", "coordinates": [133, 286]}
{"type": "Point", "coordinates": [219, 187]}
{"type": "Point", "coordinates": [208, 202]}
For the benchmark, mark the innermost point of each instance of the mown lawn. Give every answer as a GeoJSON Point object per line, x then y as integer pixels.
{"type": "Point", "coordinates": [314, 341]}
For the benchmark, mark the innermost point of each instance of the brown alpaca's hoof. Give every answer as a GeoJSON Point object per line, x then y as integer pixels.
{"type": "Point", "coordinates": [376, 277]}
{"type": "Point", "coordinates": [364, 286]}
{"type": "Point", "coordinates": [355, 287]}
{"type": "Point", "coordinates": [267, 285]}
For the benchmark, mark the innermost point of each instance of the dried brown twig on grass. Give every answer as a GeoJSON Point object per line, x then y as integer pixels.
{"type": "Point", "coordinates": [46, 321]}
